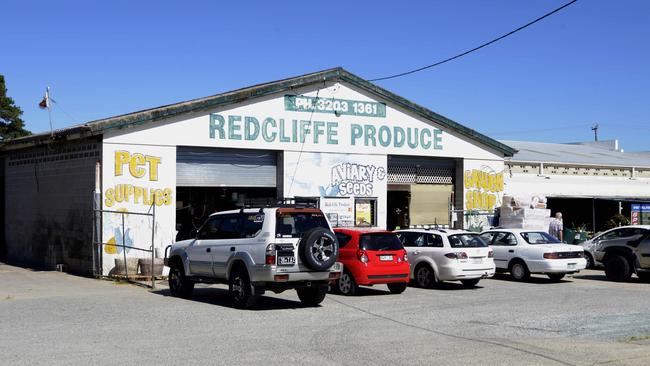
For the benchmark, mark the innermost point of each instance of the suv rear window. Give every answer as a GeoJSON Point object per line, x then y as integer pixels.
{"type": "Point", "coordinates": [294, 224]}
{"type": "Point", "coordinates": [380, 241]}
{"type": "Point", "coordinates": [466, 241]}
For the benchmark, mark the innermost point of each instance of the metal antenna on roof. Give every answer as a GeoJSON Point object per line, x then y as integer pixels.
{"type": "Point", "coordinates": [595, 129]}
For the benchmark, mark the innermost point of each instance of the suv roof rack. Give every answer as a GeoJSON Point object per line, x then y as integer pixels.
{"type": "Point", "coordinates": [297, 202]}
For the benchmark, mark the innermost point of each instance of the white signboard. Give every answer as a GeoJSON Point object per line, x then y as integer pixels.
{"type": "Point", "coordinates": [339, 210]}
{"type": "Point", "coordinates": [326, 118]}
{"type": "Point", "coordinates": [135, 179]}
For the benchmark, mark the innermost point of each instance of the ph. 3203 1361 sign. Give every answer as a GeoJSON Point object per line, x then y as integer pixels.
{"type": "Point", "coordinates": [301, 103]}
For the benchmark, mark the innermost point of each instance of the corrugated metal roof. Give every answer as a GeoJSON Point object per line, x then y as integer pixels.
{"type": "Point", "coordinates": [156, 114]}
{"type": "Point", "coordinates": [578, 154]}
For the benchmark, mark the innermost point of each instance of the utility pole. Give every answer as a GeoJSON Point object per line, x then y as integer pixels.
{"type": "Point", "coordinates": [595, 129]}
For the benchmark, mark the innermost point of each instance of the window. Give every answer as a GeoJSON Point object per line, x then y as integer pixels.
{"type": "Point", "coordinates": [343, 239]}
{"type": "Point", "coordinates": [410, 239]}
{"type": "Point", "coordinates": [487, 237]}
{"type": "Point", "coordinates": [539, 237]}
{"type": "Point", "coordinates": [632, 232]}
{"type": "Point", "coordinates": [434, 241]}
{"type": "Point", "coordinates": [251, 224]}
{"type": "Point", "coordinates": [293, 223]}
{"type": "Point", "coordinates": [230, 227]}
{"type": "Point", "coordinates": [210, 229]}
{"type": "Point", "coordinates": [380, 241]}
{"type": "Point", "coordinates": [420, 240]}
{"type": "Point", "coordinates": [365, 212]}
{"type": "Point", "coordinates": [466, 241]}
{"type": "Point", "coordinates": [611, 235]}
{"type": "Point", "coordinates": [504, 239]}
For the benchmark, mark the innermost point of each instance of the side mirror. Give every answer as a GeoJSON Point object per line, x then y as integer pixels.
{"type": "Point", "coordinates": [194, 233]}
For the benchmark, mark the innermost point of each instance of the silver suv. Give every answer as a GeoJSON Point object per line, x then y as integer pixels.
{"type": "Point", "coordinates": [258, 249]}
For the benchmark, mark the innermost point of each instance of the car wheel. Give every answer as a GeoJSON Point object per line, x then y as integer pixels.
{"type": "Point", "coordinates": [590, 260]}
{"type": "Point", "coordinates": [470, 283]}
{"type": "Point", "coordinates": [519, 271]}
{"type": "Point", "coordinates": [312, 296]}
{"type": "Point", "coordinates": [346, 284]}
{"type": "Point", "coordinates": [318, 249]}
{"type": "Point", "coordinates": [617, 268]}
{"type": "Point", "coordinates": [242, 291]}
{"type": "Point", "coordinates": [397, 288]}
{"type": "Point", "coordinates": [179, 284]}
{"type": "Point", "coordinates": [644, 276]}
{"type": "Point", "coordinates": [425, 277]}
{"type": "Point", "coordinates": [555, 277]}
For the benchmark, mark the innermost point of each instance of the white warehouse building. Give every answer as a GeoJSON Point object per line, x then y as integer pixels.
{"type": "Point", "coordinates": [366, 156]}
{"type": "Point", "coordinates": [588, 182]}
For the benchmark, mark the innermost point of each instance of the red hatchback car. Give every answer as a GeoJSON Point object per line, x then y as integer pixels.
{"type": "Point", "coordinates": [371, 257]}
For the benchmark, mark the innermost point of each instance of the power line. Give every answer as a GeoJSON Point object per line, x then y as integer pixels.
{"type": "Point", "coordinates": [66, 113]}
{"type": "Point", "coordinates": [302, 147]}
{"type": "Point", "coordinates": [476, 48]}
{"type": "Point", "coordinates": [63, 110]}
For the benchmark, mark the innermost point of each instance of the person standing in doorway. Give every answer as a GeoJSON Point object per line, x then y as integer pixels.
{"type": "Point", "coordinates": [556, 228]}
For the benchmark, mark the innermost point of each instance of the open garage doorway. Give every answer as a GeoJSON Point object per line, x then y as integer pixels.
{"type": "Point", "coordinates": [418, 205]}
{"type": "Point", "coordinates": [593, 214]}
{"type": "Point", "coordinates": [398, 208]}
{"type": "Point", "coordinates": [195, 204]}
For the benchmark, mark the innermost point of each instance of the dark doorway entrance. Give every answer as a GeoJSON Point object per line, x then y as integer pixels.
{"type": "Point", "coordinates": [195, 204]}
{"type": "Point", "coordinates": [592, 214]}
{"type": "Point", "coordinates": [397, 215]}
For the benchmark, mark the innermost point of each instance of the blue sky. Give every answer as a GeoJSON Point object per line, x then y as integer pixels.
{"type": "Point", "coordinates": [587, 64]}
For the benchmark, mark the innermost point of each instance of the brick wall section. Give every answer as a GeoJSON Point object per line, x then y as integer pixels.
{"type": "Point", "coordinates": [48, 205]}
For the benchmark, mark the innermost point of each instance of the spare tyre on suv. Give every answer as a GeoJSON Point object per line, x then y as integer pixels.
{"type": "Point", "coordinates": [258, 249]}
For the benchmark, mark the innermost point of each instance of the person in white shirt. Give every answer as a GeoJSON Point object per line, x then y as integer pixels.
{"type": "Point", "coordinates": [556, 228]}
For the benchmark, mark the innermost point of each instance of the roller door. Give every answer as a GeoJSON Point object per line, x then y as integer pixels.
{"type": "Point", "coordinates": [215, 167]}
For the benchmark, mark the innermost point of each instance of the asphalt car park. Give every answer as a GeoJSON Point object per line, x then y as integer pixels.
{"type": "Point", "coordinates": [54, 318]}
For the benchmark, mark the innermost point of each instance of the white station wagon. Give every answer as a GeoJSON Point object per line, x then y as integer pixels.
{"type": "Point", "coordinates": [446, 255]}
{"type": "Point", "coordinates": [522, 252]}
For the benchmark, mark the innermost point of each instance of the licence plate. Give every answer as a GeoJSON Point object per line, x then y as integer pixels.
{"type": "Point", "coordinates": [571, 266]}
{"type": "Point", "coordinates": [477, 260]}
{"type": "Point", "coordinates": [286, 261]}
{"type": "Point", "coordinates": [385, 257]}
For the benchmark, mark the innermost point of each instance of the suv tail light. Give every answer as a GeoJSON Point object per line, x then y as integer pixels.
{"type": "Point", "coordinates": [363, 257]}
{"type": "Point", "coordinates": [490, 254]}
{"type": "Point", "coordinates": [551, 255]}
{"type": "Point", "coordinates": [270, 254]}
{"type": "Point", "coordinates": [456, 255]}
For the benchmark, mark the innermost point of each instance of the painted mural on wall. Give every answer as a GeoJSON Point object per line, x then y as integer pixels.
{"type": "Point", "coordinates": [135, 179]}
{"type": "Point", "coordinates": [483, 192]}
{"type": "Point", "coordinates": [337, 179]}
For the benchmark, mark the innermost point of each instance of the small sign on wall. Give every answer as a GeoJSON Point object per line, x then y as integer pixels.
{"type": "Point", "coordinates": [339, 210]}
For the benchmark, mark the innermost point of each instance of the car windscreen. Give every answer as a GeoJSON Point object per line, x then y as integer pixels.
{"type": "Point", "coordinates": [380, 241]}
{"type": "Point", "coordinates": [295, 224]}
{"type": "Point", "coordinates": [539, 237]}
{"type": "Point", "coordinates": [466, 241]}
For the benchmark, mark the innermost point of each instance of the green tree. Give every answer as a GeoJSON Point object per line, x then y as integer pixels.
{"type": "Point", "coordinates": [11, 125]}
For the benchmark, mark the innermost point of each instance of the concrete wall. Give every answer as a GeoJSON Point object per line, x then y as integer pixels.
{"type": "Point", "coordinates": [48, 204]}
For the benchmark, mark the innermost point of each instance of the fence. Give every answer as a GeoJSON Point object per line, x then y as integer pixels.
{"type": "Point", "coordinates": [121, 242]}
